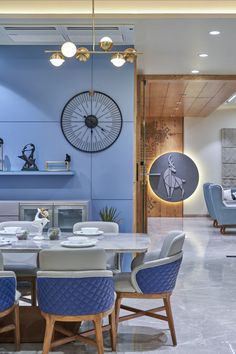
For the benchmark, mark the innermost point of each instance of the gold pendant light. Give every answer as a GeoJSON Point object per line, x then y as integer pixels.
{"type": "Point", "coordinates": [83, 54]}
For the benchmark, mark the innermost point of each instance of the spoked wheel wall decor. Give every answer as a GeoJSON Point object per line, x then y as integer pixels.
{"type": "Point", "coordinates": [91, 121]}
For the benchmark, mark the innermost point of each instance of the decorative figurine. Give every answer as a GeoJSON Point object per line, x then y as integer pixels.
{"type": "Point", "coordinates": [30, 164]}
{"type": "Point", "coordinates": [1, 154]}
{"type": "Point", "coordinates": [41, 218]}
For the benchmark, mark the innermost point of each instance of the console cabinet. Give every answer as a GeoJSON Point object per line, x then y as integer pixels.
{"type": "Point", "coordinates": [63, 213]}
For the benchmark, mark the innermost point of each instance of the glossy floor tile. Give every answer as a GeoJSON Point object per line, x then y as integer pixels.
{"type": "Point", "coordinates": [204, 301]}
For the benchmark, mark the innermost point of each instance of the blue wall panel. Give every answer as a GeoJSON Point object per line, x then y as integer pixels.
{"type": "Point", "coordinates": [32, 96]}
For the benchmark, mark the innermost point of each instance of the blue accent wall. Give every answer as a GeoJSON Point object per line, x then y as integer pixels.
{"type": "Point", "coordinates": [32, 96]}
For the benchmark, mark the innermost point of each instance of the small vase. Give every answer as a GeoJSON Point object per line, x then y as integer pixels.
{"type": "Point", "coordinates": [54, 233]}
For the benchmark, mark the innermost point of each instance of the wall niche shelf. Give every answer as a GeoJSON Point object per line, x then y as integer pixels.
{"type": "Point", "coordinates": [36, 173]}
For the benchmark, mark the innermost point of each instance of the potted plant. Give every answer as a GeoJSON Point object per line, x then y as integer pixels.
{"type": "Point", "coordinates": [109, 214]}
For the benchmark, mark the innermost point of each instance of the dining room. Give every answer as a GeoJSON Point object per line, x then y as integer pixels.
{"type": "Point", "coordinates": [118, 175]}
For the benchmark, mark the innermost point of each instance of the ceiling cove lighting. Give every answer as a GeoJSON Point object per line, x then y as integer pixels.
{"type": "Point", "coordinates": [69, 50]}
{"type": "Point", "coordinates": [231, 98]}
{"type": "Point", "coordinates": [214, 33]}
{"type": "Point", "coordinates": [195, 71]}
{"type": "Point", "coordinates": [203, 55]}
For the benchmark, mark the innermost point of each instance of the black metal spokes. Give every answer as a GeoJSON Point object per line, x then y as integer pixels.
{"type": "Point", "coordinates": [91, 122]}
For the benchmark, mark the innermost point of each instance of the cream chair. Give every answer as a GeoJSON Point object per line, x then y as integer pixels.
{"type": "Point", "coordinates": [153, 277]}
{"type": "Point", "coordinates": [113, 259]}
{"type": "Point", "coordinates": [23, 264]}
{"type": "Point", "coordinates": [74, 286]}
{"type": "Point", "coordinates": [9, 302]}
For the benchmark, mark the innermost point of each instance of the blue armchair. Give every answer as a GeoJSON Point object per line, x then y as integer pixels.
{"type": "Point", "coordinates": [208, 201]}
{"type": "Point", "coordinates": [153, 277]}
{"type": "Point", "coordinates": [74, 286]}
{"type": "Point", "coordinates": [225, 213]}
{"type": "Point", "coordinates": [9, 298]}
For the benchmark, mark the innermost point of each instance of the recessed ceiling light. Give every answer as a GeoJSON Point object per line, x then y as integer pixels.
{"type": "Point", "coordinates": [214, 33]}
{"type": "Point", "coordinates": [203, 55]}
{"type": "Point", "coordinates": [195, 71]}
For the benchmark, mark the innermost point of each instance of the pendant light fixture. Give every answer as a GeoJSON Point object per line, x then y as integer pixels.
{"type": "Point", "coordinates": [69, 50]}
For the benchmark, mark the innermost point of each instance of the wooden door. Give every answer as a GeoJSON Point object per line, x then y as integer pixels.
{"type": "Point", "coordinates": [155, 135]}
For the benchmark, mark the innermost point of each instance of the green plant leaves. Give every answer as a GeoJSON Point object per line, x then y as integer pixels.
{"type": "Point", "coordinates": [109, 214]}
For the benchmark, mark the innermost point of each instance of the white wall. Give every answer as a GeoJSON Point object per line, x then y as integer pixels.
{"type": "Point", "coordinates": [202, 142]}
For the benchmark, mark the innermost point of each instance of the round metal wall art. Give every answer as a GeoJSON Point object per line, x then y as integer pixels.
{"type": "Point", "coordinates": [91, 121]}
{"type": "Point", "coordinates": [173, 177]}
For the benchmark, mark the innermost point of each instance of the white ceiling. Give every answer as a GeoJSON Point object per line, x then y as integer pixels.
{"type": "Point", "coordinates": [170, 46]}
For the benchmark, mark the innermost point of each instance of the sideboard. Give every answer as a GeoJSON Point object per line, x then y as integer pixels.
{"type": "Point", "coordinates": [62, 213]}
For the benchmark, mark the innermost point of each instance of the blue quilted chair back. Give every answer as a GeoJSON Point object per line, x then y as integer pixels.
{"type": "Point", "coordinates": [74, 282]}
{"type": "Point", "coordinates": [158, 276]}
{"type": "Point", "coordinates": [7, 290]}
{"type": "Point", "coordinates": [208, 199]}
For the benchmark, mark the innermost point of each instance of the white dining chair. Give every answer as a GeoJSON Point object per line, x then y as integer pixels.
{"type": "Point", "coordinates": [23, 264]}
{"type": "Point", "coordinates": [113, 259]}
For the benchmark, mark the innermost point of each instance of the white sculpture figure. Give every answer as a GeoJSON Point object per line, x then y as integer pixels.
{"type": "Point", "coordinates": [41, 218]}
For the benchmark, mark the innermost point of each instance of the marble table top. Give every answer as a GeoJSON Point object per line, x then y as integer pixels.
{"type": "Point", "coordinates": [120, 243]}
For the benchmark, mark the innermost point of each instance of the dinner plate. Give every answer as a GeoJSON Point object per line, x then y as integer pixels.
{"type": "Point", "coordinates": [78, 245]}
{"type": "Point", "coordinates": [5, 243]}
{"type": "Point", "coordinates": [38, 238]}
{"type": "Point", "coordinates": [4, 232]}
{"type": "Point", "coordinates": [79, 239]}
{"type": "Point", "coordinates": [81, 233]}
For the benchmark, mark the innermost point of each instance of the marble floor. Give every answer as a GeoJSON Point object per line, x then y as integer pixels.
{"type": "Point", "coordinates": [204, 301]}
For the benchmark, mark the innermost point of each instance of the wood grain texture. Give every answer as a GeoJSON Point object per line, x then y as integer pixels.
{"type": "Point", "coordinates": [187, 95]}
{"type": "Point", "coordinates": [162, 102]}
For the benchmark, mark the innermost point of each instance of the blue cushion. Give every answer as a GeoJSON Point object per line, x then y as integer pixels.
{"type": "Point", "coordinates": [160, 279]}
{"type": "Point", "coordinates": [75, 296]}
{"type": "Point", "coordinates": [7, 292]}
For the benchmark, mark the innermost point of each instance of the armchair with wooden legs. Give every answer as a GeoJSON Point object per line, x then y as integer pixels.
{"type": "Point", "coordinates": [9, 298]}
{"type": "Point", "coordinates": [24, 265]}
{"type": "Point", "coordinates": [74, 286]}
{"type": "Point", "coordinates": [153, 277]}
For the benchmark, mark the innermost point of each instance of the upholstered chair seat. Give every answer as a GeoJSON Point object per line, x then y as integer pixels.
{"type": "Point", "coordinates": [153, 276]}
{"type": "Point", "coordinates": [74, 286]}
{"type": "Point", "coordinates": [9, 302]}
{"type": "Point", "coordinates": [225, 213]}
{"type": "Point", "coordinates": [113, 259]}
{"type": "Point", "coordinates": [25, 264]}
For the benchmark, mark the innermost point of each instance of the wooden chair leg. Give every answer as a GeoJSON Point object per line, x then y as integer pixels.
{"type": "Point", "coordinates": [99, 336]}
{"type": "Point", "coordinates": [113, 333]}
{"type": "Point", "coordinates": [117, 310]}
{"type": "Point", "coordinates": [33, 292]}
{"type": "Point", "coordinates": [48, 334]}
{"type": "Point", "coordinates": [170, 319]}
{"type": "Point", "coordinates": [222, 230]}
{"type": "Point", "coordinates": [17, 327]}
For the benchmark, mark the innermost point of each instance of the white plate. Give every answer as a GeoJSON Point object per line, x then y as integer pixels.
{"type": "Point", "coordinates": [4, 232]}
{"type": "Point", "coordinates": [5, 243]}
{"type": "Point", "coordinates": [78, 239]}
{"type": "Point", "coordinates": [38, 238]}
{"type": "Point", "coordinates": [78, 245]}
{"type": "Point", "coordinates": [81, 233]}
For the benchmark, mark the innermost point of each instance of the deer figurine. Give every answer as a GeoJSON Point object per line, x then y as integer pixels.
{"type": "Point", "coordinates": [171, 181]}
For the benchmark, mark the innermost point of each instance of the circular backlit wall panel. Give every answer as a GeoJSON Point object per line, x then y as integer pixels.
{"type": "Point", "coordinates": [173, 177]}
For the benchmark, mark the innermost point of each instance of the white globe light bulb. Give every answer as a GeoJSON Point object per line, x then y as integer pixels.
{"type": "Point", "coordinates": [68, 49]}
{"type": "Point", "coordinates": [118, 60]}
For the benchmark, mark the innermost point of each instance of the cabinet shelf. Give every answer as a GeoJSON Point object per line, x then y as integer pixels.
{"type": "Point", "coordinates": [36, 173]}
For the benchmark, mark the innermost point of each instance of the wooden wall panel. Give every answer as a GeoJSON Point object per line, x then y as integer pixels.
{"type": "Point", "coordinates": [162, 136]}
